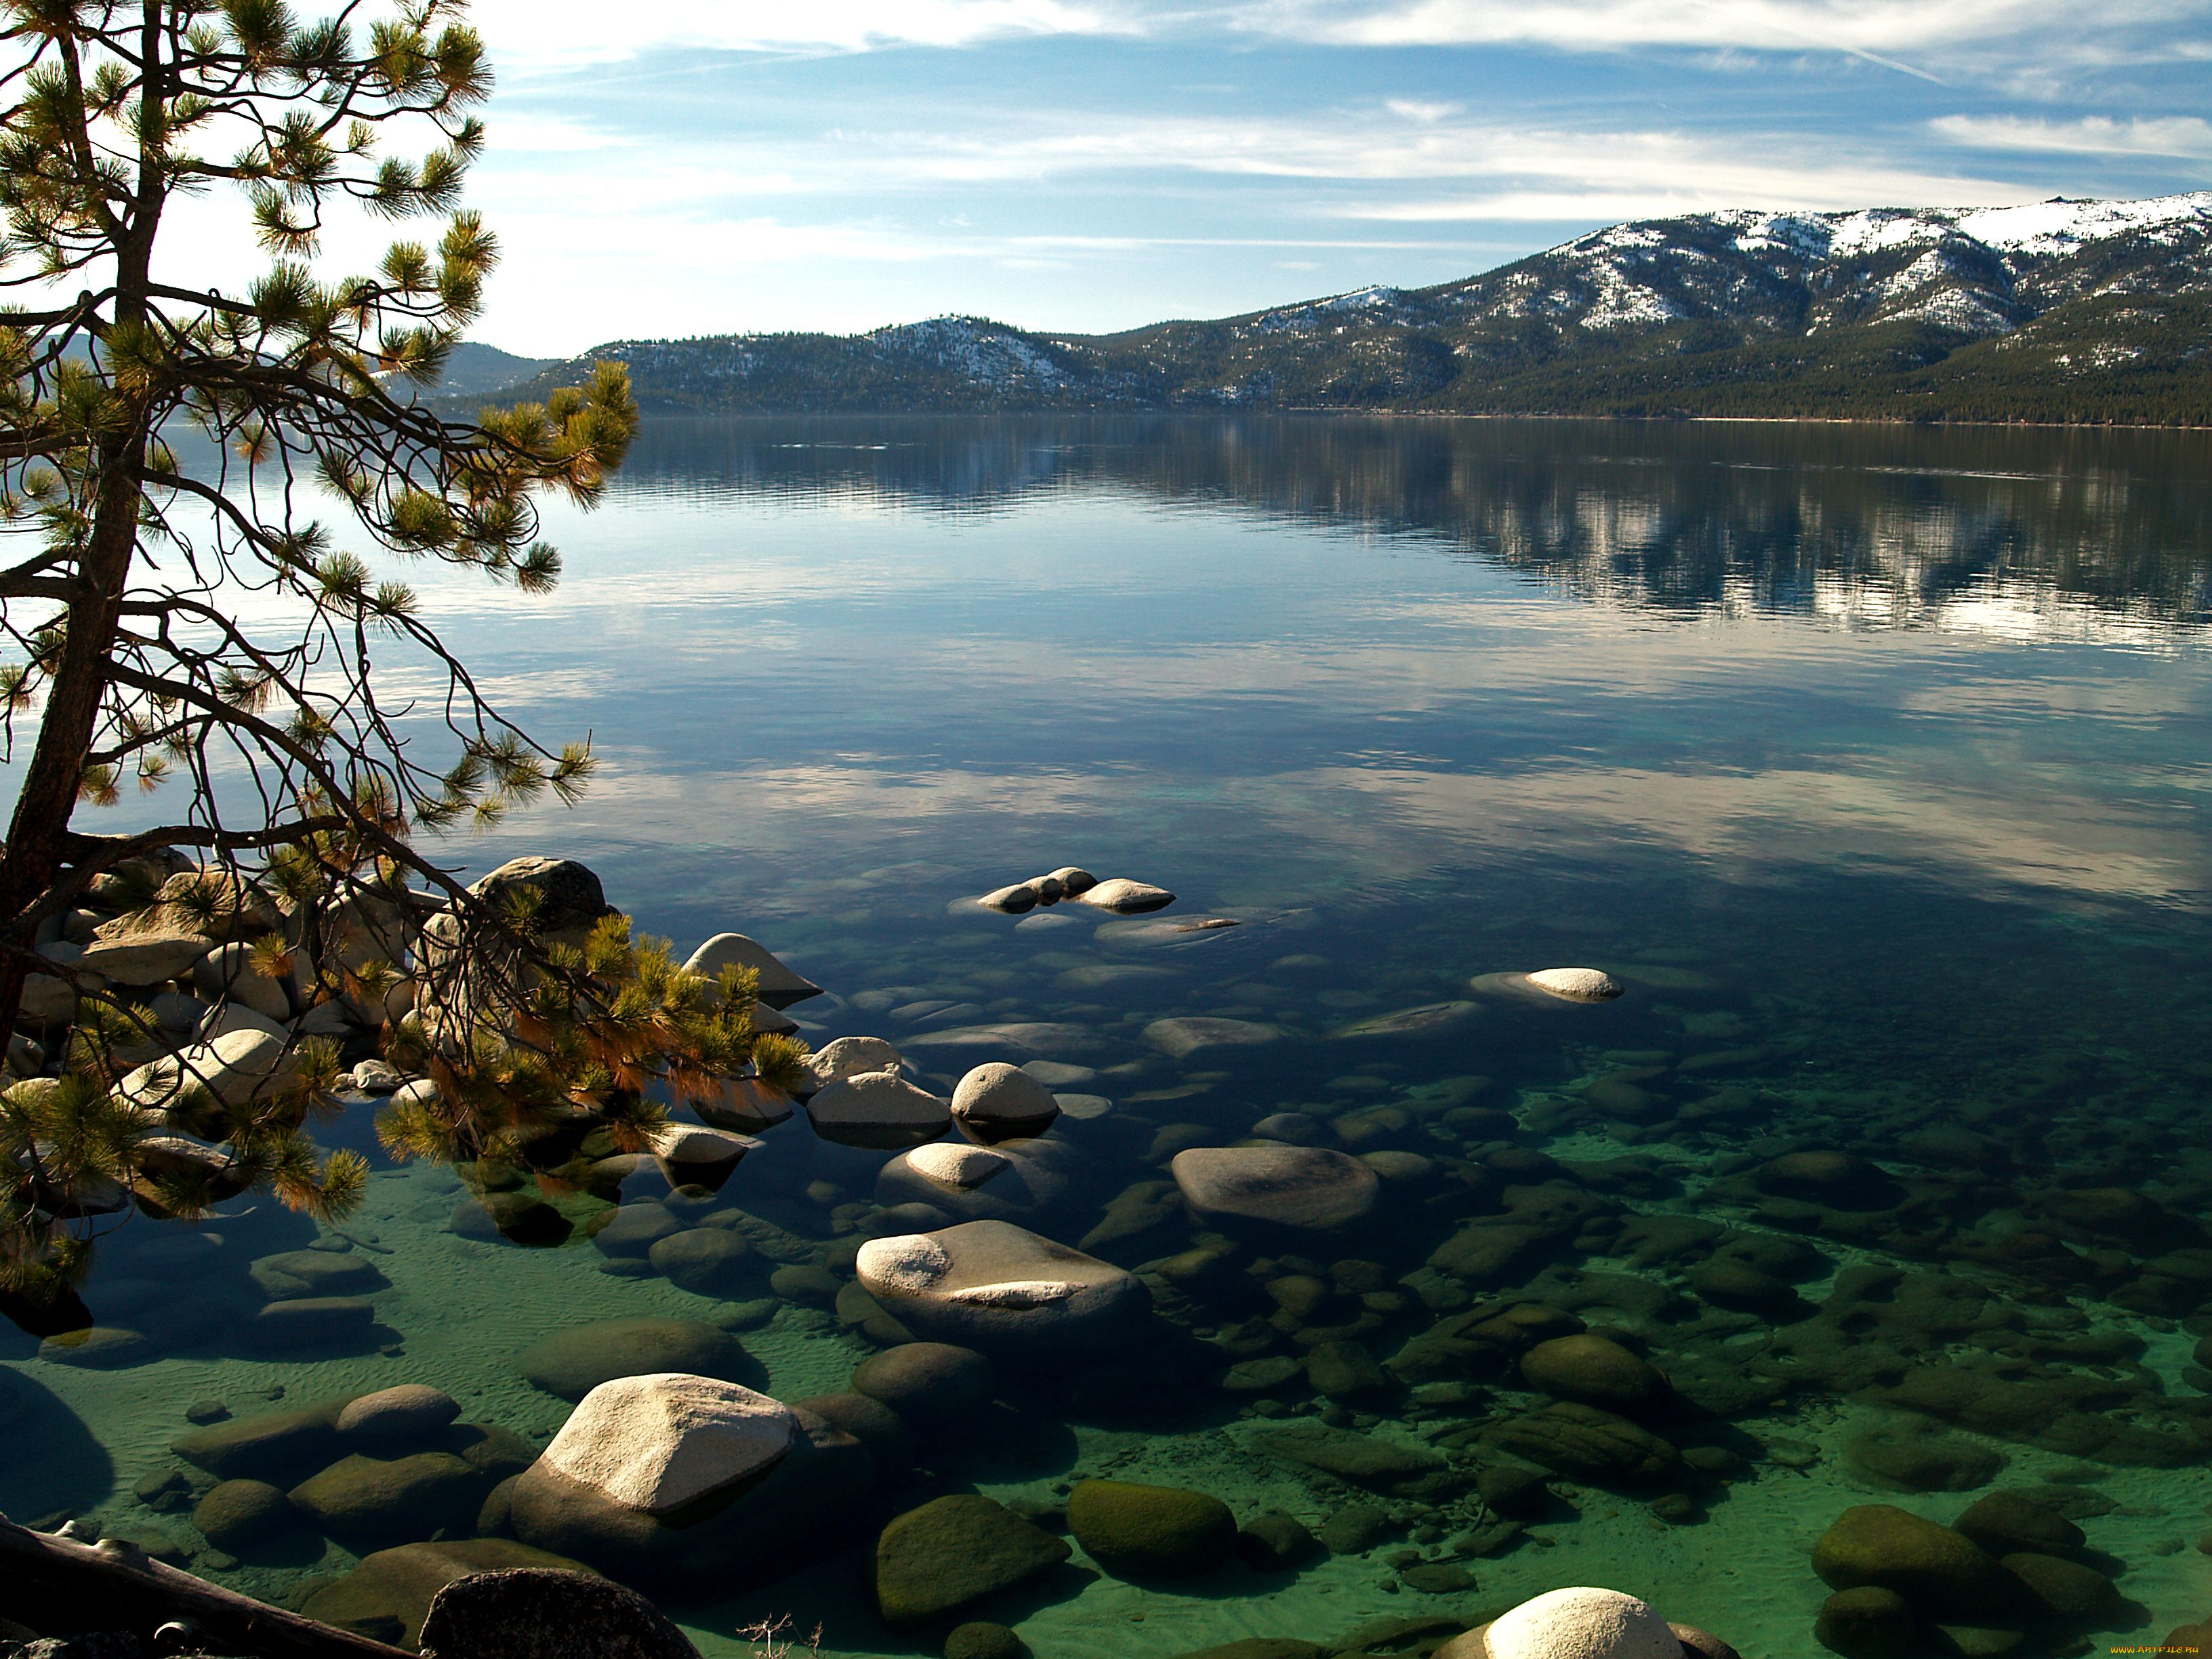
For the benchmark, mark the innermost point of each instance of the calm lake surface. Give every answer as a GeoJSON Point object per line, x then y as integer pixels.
{"type": "Point", "coordinates": [1876, 764]}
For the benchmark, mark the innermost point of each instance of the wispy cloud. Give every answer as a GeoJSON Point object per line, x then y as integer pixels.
{"type": "Point", "coordinates": [2097, 135]}
{"type": "Point", "coordinates": [553, 32]}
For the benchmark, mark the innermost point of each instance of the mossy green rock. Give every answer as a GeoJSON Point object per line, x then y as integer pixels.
{"type": "Point", "coordinates": [237, 1514]}
{"type": "Point", "coordinates": [572, 1363]}
{"type": "Point", "coordinates": [1262, 1647]}
{"type": "Point", "coordinates": [380, 1497]}
{"type": "Point", "coordinates": [1595, 1371]}
{"type": "Point", "coordinates": [1151, 1532]}
{"type": "Point", "coordinates": [1942, 1574]}
{"type": "Point", "coordinates": [984, 1640]}
{"type": "Point", "coordinates": [2065, 1592]}
{"type": "Point", "coordinates": [266, 1446]}
{"type": "Point", "coordinates": [2005, 1521]}
{"type": "Point", "coordinates": [388, 1595]}
{"type": "Point", "coordinates": [1869, 1623]}
{"type": "Point", "coordinates": [934, 1561]}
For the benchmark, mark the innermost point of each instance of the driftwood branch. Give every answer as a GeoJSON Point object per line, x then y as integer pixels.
{"type": "Point", "coordinates": [47, 1581]}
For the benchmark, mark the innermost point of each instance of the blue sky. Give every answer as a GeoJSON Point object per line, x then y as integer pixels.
{"type": "Point", "coordinates": [686, 166]}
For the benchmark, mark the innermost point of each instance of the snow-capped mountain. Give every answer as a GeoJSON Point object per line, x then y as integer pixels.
{"type": "Point", "coordinates": [2058, 309]}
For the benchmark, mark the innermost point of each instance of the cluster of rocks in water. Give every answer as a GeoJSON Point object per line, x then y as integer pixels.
{"type": "Point", "coordinates": [1450, 1337]}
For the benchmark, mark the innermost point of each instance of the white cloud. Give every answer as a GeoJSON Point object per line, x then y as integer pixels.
{"type": "Point", "coordinates": [538, 34]}
{"type": "Point", "coordinates": [2097, 135]}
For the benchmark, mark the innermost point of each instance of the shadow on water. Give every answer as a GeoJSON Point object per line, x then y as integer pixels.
{"type": "Point", "coordinates": [52, 1461]}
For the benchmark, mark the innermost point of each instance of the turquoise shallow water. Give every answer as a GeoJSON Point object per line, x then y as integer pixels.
{"type": "Point", "coordinates": [1873, 763]}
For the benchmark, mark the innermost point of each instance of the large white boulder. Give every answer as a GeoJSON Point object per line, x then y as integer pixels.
{"type": "Point", "coordinates": [1302, 1187]}
{"type": "Point", "coordinates": [1583, 1623]}
{"type": "Point", "coordinates": [690, 1155]}
{"type": "Point", "coordinates": [998, 1101]}
{"type": "Point", "coordinates": [1028, 1178]}
{"type": "Point", "coordinates": [954, 1163]}
{"type": "Point", "coordinates": [132, 955]}
{"type": "Point", "coordinates": [662, 1443]}
{"type": "Point", "coordinates": [1577, 984]}
{"type": "Point", "coordinates": [849, 1056]}
{"type": "Point", "coordinates": [779, 986]}
{"type": "Point", "coordinates": [1125, 897]}
{"type": "Point", "coordinates": [234, 1067]}
{"type": "Point", "coordinates": [227, 973]}
{"type": "Point", "coordinates": [878, 1109]}
{"type": "Point", "coordinates": [997, 1287]}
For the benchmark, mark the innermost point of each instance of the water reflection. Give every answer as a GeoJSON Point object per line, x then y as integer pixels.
{"type": "Point", "coordinates": [2029, 535]}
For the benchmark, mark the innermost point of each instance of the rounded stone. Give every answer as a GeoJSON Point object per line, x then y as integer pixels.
{"type": "Point", "coordinates": [979, 1640]}
{"type": "Point", "coordinates": [360, 1498]}
{"type": "Point", "coordinates": [998, 1287]}
{"type": "Point", "coordinates": [704, 1260]}
{"type": "Point", "coordinates": [1011, 901]}
{"type": "Point", "coordinates": [877, 1111]}
{"type": "Point", "coordinates": [1917, 1459]}
{"type": "Point", "coordinates": [954, 1163]}
{"type": "Point", "coordinates": [932, 1385]}
{"type": "Point", "coordinates": [1841, 1180]}
{"type": "Point", "coordinates": [849, 1056]}
{"type": "Point", "coordinates": [1867, 1623]}
{"type": "Point", "coordinates": [413, 1411]}
{"type": "Point", "coordinates": [2004, 1522]}
{"type": "Point", "coordinates": [633, 1229]}
{"type": "Point", "coordinates": [548, 1613]}
{"type": "Point", "coordinates": [1125, 897]}
{"type": "Point", "coordinates": [572, 1363]}
{"type": "Point", "coordinates": [1577, 984]}
{"type": "Point", "coordinates": [999, 1102]}
{"type": "Point", "coordinates": [1595, 1371]}
{"type": "Point", "coordinates": [1583, 1623]}
{"type": "Point", "coordinates": [692, 1155]}
{"type": "Point", "coordinates": [953, 1552]}
{"type": "Point", "coordinates": [1942, 1574]}
{"type": "Point", "coordinates": [388, 1596]}
{"type": "Point", "coordinates": [1274, 1542]}
{"type": "Point", "coordinates": [235, 1514]}
{"type": "Point", "coordinates": [779, 987]}
{"type": "Point", "coordinates": [1300, 1186]}
{"type": "Point", "coordinates": [1138, 1531]}
{"type": "Point", "coordinates": [660, 1444]}
{"type": "Point", "coordinates": [2064, 1592]}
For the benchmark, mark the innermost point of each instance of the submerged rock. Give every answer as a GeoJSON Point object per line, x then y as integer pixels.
{"type": "Point", "coordinates": [1138, 1531]}
{"type": "Point", "coordinates": [952, 1553]}
{"type": "Point", "coordinates": [412, 1412]}
{"type": "Point", "coordinates": [374, 1499]}
{"type": "Point", "coordinates": [1182, 1037]}
{"type": "Point", "coordinates": [995, 1286]}
{"type": "Point", "coordinates": [388, 1596]}
{"type": "Point", "coordinates": [572, 1363]}
{"type": "Point", "coordinates": [1300, 1186]}
{"type": "Point", "coordinates": [235, 1514]}
{"type": "Point", "coordinates": [932, 1385]}
{"type": "Point", "coordinates": [1942, 1574]}
{"type": "Point", "coordinates": [1595, 1371]}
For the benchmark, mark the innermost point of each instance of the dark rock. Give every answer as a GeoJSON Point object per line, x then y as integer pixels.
{"type": "Point", "coordinates": [1345, 1370]}
{"type": "Point", "coordinates": [1438, 1579]}
{"type": "Point", "coordinates": [312, 1321]}
{"type": "Point", "coordinates": [1138, 1531]}
{"type": "Point", "coordinates": [1262, 1647]}
{"type": "Point", "coordinates": [809, 1285]}
{"type": "Point", "coordinates": [874, 1425]}
{"type": "Point", "coordinates": [373, 1498]}
{"type": "Point", "coordinates": [953, 1552]}
{"type": "Point", "coordinates": [1915, 1459]}
{"type": "Point", "coordinates": [2005, 1523]}
{"type": "Point", "coordinates": [1702, 1643]}
{"type": "Point", "coordinates": [2065, 1592]}
{"type": "Point", "coordinates": [388, 1595]}
{"type": "Point", "coordinates": [1356, 1528]}
{"type": "Point", "coordinates": [204, 1412]}
{"type": "Point", "coordinates": [490, 1450]}
{"type": "Point", "coordinates": [297, 1273]}
{"type": "Point", "coordinates": [1867, 1623]}
{"type": "Point", "coordinates": [545, 1613]}
{"type": "Point", "coordinates": [1738, 1284]}
{"type": "Point", "coordinates": [1513, 1488]}
{"type": "Point", "coordinates": [1274, 1542]}
{"type": "Point", "coordinates": [238, 1514]}
{"type": "Point", "coordinates": [1380, 1465]}
{"type": "Point", "coordinates": [1590, 1444]}
{"type": "Point", "coordinates": [1942, 1574]}
{"type": "Point", "coordinates": [932, 1385]}
{"type": "Point", "coordinates": [572, 1363]}
{"type": "Point", "coordinates": [1595, 1371]}
{"type": "Point", "coordinates": [267, 1446]}
{"type": "Point", "coordinates": [1840, 1180]}
{"type": "Point", "coordinates": [704, 1260]}
{"type": "Point", "coordinates": [979, 1640]}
